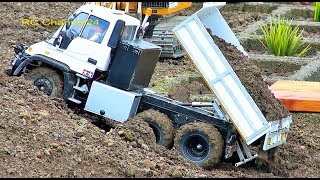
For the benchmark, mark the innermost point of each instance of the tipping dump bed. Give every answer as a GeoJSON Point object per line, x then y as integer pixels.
{"type": "Point", "coordinates": [218, 74]}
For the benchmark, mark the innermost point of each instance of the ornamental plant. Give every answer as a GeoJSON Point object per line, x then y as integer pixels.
{"type": "Point", "coordinates": [282, 39]}
{"type": "Point", "coordinates": [316, 13]}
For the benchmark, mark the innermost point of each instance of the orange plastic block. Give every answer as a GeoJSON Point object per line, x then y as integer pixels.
{"type": "Point", "coordinates": [301, 96]}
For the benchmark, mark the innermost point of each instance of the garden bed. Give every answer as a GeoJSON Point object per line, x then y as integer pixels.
{"type": "Point", "coordinates": [240, 15]}
{"type": "Point", "coordinates": [250, 7]}
{"type": "Point", "coordinates": [303, 14]}
{"type": "Point", "coordinates": [275, 68]}
{"type": "Point", "coordinates": [309, 30]}
{"type": "Point", "coordinates": [253, 46]}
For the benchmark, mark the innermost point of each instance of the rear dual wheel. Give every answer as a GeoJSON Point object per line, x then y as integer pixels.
{"type": "Point", "coordinates": [200, 143]}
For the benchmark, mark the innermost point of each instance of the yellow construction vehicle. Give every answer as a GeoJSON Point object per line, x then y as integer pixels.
{"type": "Point", "coordinates": [161, 22]}
{"type": "Point", "coordinates": [158, 8]}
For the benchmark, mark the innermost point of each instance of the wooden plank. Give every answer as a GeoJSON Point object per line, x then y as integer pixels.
{"type": "Point", "coordinates": [301, 96]}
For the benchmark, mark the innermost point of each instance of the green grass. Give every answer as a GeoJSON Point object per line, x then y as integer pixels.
{"type": "Point", "coordinates": [316, 15]}
{"type": "Point", "coordinates": [281, 38]}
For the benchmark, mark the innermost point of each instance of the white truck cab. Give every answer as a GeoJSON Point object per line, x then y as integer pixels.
{"type": "Point", "coordinates": [73, 45]}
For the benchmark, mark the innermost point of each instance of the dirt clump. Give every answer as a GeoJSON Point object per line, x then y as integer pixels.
{"type": "Point", "coordinates": [250, 76]}
{"type": "Point", "coordinates": [184, 89]}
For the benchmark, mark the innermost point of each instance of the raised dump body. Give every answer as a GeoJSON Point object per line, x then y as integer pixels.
{"type": "Point", "coordinates": [236, 102]}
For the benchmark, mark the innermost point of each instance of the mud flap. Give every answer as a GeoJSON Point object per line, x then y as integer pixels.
{"type": "Point", "coordinates": [278, 133]}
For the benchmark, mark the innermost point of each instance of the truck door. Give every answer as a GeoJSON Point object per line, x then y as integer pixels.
{"type": "Point", "coordinates": [73, 30]}
{"type": "Point", "coordinates": [86, 40]}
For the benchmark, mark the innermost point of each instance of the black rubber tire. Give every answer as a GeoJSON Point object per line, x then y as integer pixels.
{"type": "Point", "coordinates": [50, 75]}
{"type": "Point", "coordinates": [200, 143]}
{"type": "Point", "coordinates": [161, 125]}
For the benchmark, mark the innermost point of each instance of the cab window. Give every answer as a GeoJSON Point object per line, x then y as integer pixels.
{"type": "Point", "coordinates": [78, 22]}
{"type": "Point", "coordinates": [95, 29]}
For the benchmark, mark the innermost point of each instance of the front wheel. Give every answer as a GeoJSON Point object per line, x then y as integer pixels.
{"type": "Point", "coordinates": [200, 143]}
{"type": "Point", "coordinates": [47, 80]}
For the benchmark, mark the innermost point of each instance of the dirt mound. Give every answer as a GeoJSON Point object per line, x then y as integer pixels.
{"type": "Point", "coordinates": [250, 76]}
{"type": "Point", "coordinates": [44, 138]}
{"type": "Point", "coordinates": [184, 89]}
{"type": "Point", "coordinates": [300, 157]}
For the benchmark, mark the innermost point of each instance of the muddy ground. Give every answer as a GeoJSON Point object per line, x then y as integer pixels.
{"type": "Point", "coordinates": [45, 138]}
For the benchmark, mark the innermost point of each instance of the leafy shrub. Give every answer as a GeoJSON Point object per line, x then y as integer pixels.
{"type": "Point", "coordinates": [316, 15]}
{"type": "Point", "coordinates": [281, 38]}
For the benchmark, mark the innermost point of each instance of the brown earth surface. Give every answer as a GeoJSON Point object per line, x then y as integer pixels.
{"type": "Point", "coordinates": [239, 20]}
{"type": "Point", "coordinates": [250, 76]}
{"type": "Point", "coordinates": [45, 138]}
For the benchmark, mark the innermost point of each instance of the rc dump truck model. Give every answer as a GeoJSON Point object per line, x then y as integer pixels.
{"type": "Point", "coordinates": [106, 67]}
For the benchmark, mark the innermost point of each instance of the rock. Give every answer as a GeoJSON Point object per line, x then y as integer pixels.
{"type": "Point", "coordinates": [140, 142]}
{"type": "Point", "coordinates": [44, 113]}
{"type": "Point", "coordinates": [202, 176]}
{"type": "Point", "coordinates": [149, 164]}
{"type": "Point", "coordinates": [54, 145]}
{"type": "Point", "coordinates": [144, 146]}
{"type": "Point", "coordinates": [20, 101]}
{"type": "Point", "coordinates": [56, 135]}
{"type": "Point", "coordinates": [26, 116]}
{"type": "Point", "coordinates": [121, 132]}
{"type": "Point", "coordinates": [47, 152]}
{"type": "Point", "coordinates": [69, 150]}
{"type": "Point", "coordinates": [132, 170]}
{"type": "Point", "coordinates": [149, 172]}
{"type": "Point", "coordinates": [4, 151]}
{"type": "Point", "coordinates": [77, 159]}
{"type": "Point", "coordinates": [108, 142]}
{"type": "Point", "coordinates": [177, 173]}
{"type": "Point", "coordinates": [160, 166]}
{"type": "Point", "coordinates": [94, 136]}
{"type": "Point", "coordinates": [134, 144]}
{"type": "Point", "coordinates": [79, 133]}
{"type": "Point", "coordinates": [128, 135]}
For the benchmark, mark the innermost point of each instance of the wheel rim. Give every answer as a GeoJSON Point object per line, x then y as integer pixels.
{"type": "Point", "coordinates": [195, 147]}
{"type": "Point", "coordinates": [44, 84]}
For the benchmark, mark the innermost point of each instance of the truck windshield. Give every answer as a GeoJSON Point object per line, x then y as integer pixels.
{"type": "Point", "coordinates": [76, 25]}
{"type": "Point", "coordinates": [95, 29]}
{"type": "Point", "coordinates": [128, 32]}
{"type": "Point", "coordinates": [78, 22]}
